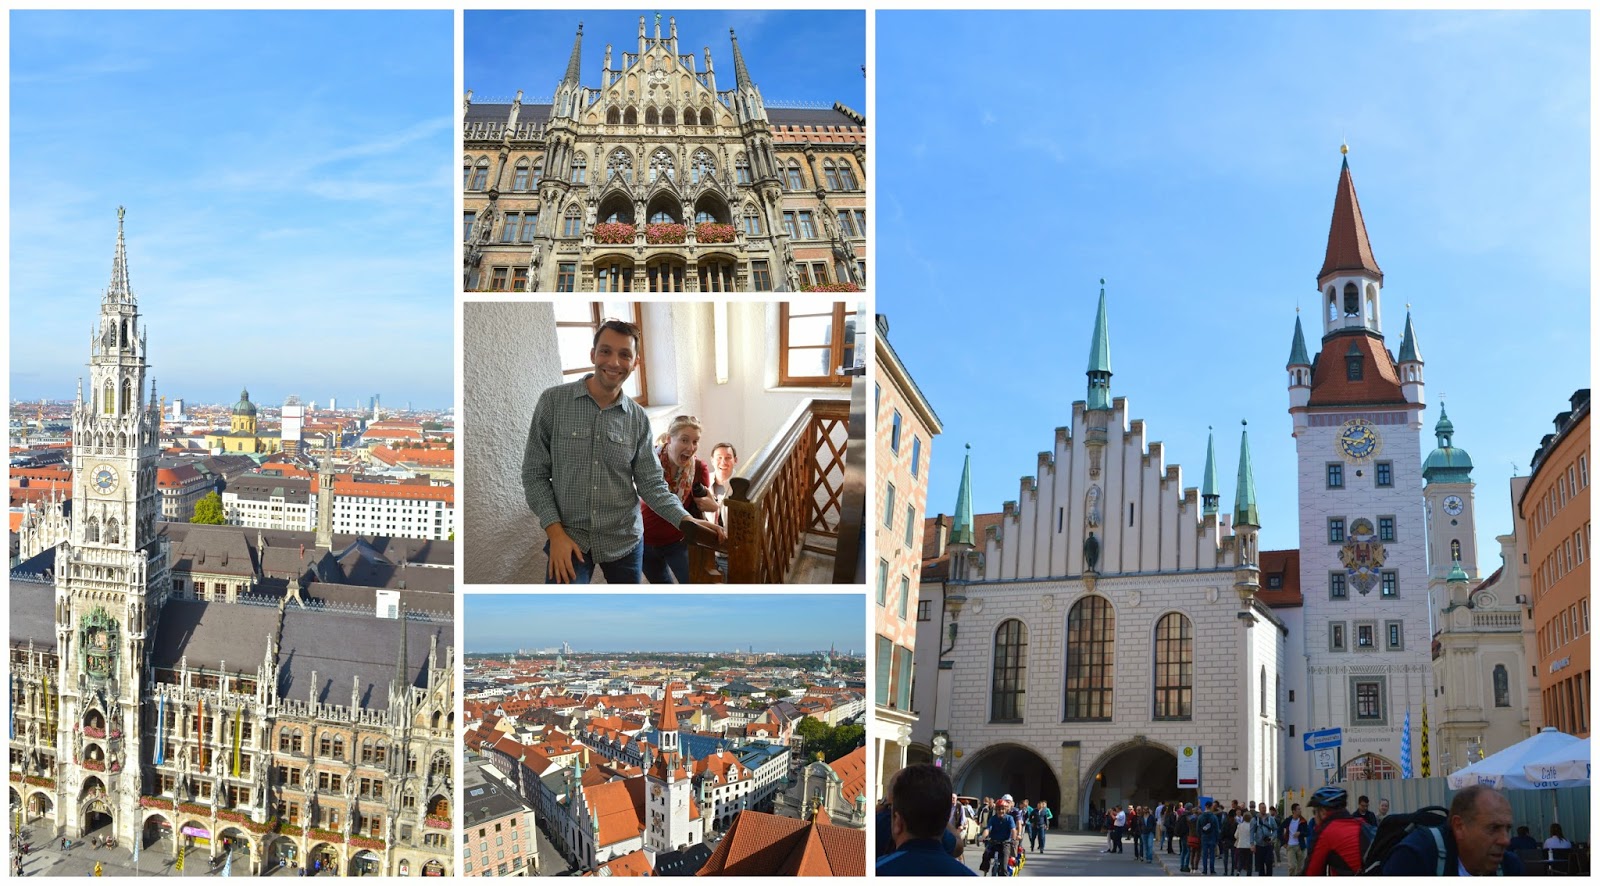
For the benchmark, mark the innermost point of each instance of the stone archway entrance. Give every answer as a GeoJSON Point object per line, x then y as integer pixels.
{"type": "Point", "coordinates": [1010, 769]}
{"type": "Point", "coordinates": [1141, 773]}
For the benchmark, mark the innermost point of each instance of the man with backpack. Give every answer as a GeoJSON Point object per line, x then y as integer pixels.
{"type": "Point", "coordinates": [1210, 829]}
{"type": "Point", "coordinates": [1266, 833]}
{"type": "Point", "coordinates": [1475, 841]}
{"type": "Point", "coordinates": [1338, 844]}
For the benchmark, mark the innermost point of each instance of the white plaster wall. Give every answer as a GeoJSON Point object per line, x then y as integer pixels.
{"type": "Point", "coordinates": [509, 356]}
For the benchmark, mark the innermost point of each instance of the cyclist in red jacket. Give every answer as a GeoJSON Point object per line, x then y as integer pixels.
{"type": "Point", "coordinates": [1336, 846]}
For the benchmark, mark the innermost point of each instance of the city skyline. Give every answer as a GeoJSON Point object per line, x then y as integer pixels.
{"type": "Point", "coordinates": [664, 622]}
{"type": "Point", "coordinates": [832, 42]}
{"type": "Point", "coordinates": [284, 225]}
{"type": "Point", "coordinates": [1190, 160]}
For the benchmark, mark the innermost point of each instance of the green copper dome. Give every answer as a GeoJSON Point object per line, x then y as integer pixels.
{"type": "Point", "coordinates": [1457, 573]}
{"type": "Point", "coordinates": [244, 406]}
{"type": "Point", "coordinates": [1446, 463]}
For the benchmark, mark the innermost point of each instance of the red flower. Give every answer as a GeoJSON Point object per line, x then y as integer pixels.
{"type": "Point", "coordinates": [614, 233]}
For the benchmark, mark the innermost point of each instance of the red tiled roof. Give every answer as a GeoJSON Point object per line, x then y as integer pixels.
{"type": "Point", "coordinates": [1285, 564]}
{"type": "Point", "coordinates": [618, 807]}
{"type": "Point", "coordinates": [415, 491]}
{"type": "Point", "coordinates": [634, 864]}
{"type": "Point", "coordinates": [763, 845]}
{"type": "Point", "coordinates": [852, 772]}
{"type": "Point", "coordinates": [1348, 247]}
{"type": "Point", "coordinates": [934, 566]}
{"type": "Point", "coordinates": [1331, 384]}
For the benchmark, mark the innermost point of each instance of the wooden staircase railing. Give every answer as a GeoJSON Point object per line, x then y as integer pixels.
{"type": "Point", "coordinates": [794, 487]}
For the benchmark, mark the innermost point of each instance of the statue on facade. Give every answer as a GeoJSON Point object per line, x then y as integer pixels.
{"type": "Point", "coordinates": [1092, 506]}
{"type": "Point", "coordinates": [1091, 552]}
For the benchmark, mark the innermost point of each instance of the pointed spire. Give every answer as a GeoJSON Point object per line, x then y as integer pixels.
{"type": "Point", "coordinates": [1208, 485]}
{"type": "Point", "coordinates": [1297, 351]}
{"type": "Point", "coordinates": [401, 683]}
{"type": "Point", "coordinates": [1244, 508]}
{"type": "Point", "coordinates": [1100, 357]}
{"type": "Point", "coordinates": [573, 64]}
{"type": "Point", "coordinates": [1348, 247]}
{"type": "Point", "coordinates": [961, 529]}
{"type": "Point", "coordinates": [741, 75]}
{"type": "Point", "coordinates": [1408, 342]}
{"type": "Point", "coordinates": [120, 290]}
{"type": "Point", "coordinates": [668, 715]}
{"type": "Point", "coordinates": [1444, 429]}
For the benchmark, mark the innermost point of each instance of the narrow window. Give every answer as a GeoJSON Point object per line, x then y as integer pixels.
{"type": "Point", "coordinates": [1335, 476]}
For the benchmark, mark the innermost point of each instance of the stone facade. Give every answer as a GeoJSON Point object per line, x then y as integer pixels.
{"type": "Point", "coordinates": [657, 181]}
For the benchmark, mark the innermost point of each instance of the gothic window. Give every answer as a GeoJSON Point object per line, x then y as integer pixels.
{"type": "Point", "coordinates": [688, 116]}
{"type": "Point", "coordinates": [741, 170]}
{"type": "Point", "coordinates": [661, 165]}
{"type": "Point", "coordinates": [572, 222]}
{"type": "Point", "coordinates": [650, 117]}
{"type": "Point", "coordinates": [808, 228]}
{"type": "Point", "coordinates": [752, 221]}
{"type": "Point", "coordinates": [705, 116]}
{"type": "Point", "coordinates": [508, 231]}
{"type": "Point", "coordinates": [109, 399]}
{"type": "Point", "coordinates": [796, 183]}
{"type": "Point", "coordinates": [91, 530]}
{"type": "Point", "coordinates": [113, 531]}
{"type": "Point", "coordinates": [519, 181]}
{"type": "Point", "coordinates": [1352, 300]}
{"type": "Point", "coordinates": [701, 215]}
{"type": "Point", "coordinates": [1091, 632]}
{"type": "Point", "coordinates": [613, 116]}
{"type": "Point", "coordinates": [480, 175]}
{"type": "Point", "coordinates": [580, 168]}
{"type": "Point", "coordinates": [1174, 684]}
{"type": "Point", "coordinates": [621, 163]}
{"type": "Point", "coordinates": [538, 173]}
{"type": "Point", "coordinates": [1010, 672]}
{"type": "Point", "coordinates": [702, 167]}
{"type": "Point", "coordinates": [847, 176]}
{"type": "Point", "coordinates": [669, 117]}
{"type": "Point", "coordinates": [630, 117]}
{"type": "Point", "coordinates": [1502, 687]}
{"type": "Point", "coordinates": [830, 175]}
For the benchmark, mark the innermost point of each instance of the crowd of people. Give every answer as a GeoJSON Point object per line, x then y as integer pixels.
{"type": "Point", "coordinates": [924, 827]}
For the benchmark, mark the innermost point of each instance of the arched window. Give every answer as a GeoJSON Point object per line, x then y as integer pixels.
{"type": "Point", "coordinates": [796, 183]}
{"type": "Point", "coordinates": [126, 406]}
{"type": "Point", "coordinates": [109, 398]}
{"type": "Point", "coordinates": [572, 222]}
{"type": "Point", "coordinates": [650, 117]}
{"type": "Point", "coordinates": [1091, 632]}
{"type": "Point", "coordinates": [480, 175]}
{"type": "Point", "coordinates": [702, 166]}
{"type": "Point", "coordinates": [1174, 682]}
{"type": "Point", "coordinates": [91, 530]}
{"type": "Point", "coordinates": [613, 116]}
{"type": "Point", "coordinates": [1455, 549]}
{"type": "Point", "coordinates": [661, 165]}
{"type": "Point", "coordinates": [705, 116]}
{"type": "Point", "coordinates": [1352, 300]}
{"type": "Point", "coordinates": [662, 217]}
{"type": "Point", "coordinates": [669, 117]}
{"type": "Point", "coordinates": [621, 163]}
{"type": "Point", "coordinates": [580, 168]}
{"type": "Point", "coordinates": [630, 117]}
{"type": "Point", "coordinates": [752, 221]}
{"type": "Point", "coordinates": [741, 170]}
{"type": "Point", "coordinates": [1502, 687]}
{"type": "Point", "coordinates": [701, 215]}
{"type": "Point", "coordinates": [113, 531]}
{"type": "Point", "coordinates": [1372, 304]}
{"type": "Point", "coordinates": [830, 175]}
{"type": "Point", "coordinates": [538, 172]}
{"type": "Point", "coordinates": [1333, 305]}
{"type": "Point", "coordinates": [847, 176]}
{"type": "Point", "coordinates": [1010, 672]}
{"type": "Point", "coordinates": [519, 181]}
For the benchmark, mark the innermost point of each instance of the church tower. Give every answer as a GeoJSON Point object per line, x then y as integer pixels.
{"type": "Point", "coordinates": [1452, 527]}
{"type": "Point", "coordinates": [111, 574]}
{"type": "Point", "coordinates": [668, 789]}
{"type": "Point", "coordinates": [1357, 414]}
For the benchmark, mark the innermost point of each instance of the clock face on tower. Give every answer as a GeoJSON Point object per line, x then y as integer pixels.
{"type": "Point", "coordinates": [1358, 440]}
{"type": "Point", "coordinates": [1453, 505]}
{"type": "Point", "coordinates": [104, 479]}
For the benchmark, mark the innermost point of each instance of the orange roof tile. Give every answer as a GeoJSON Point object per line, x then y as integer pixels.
{"type": "Point", "coordinates": [414, 491]}
{"type": "Point", "coordinates": [1348, 247]}
{"type": "Point", "coordinates": [618, 806]}
{"type": "Point", "coordinates": [634, 864]}
{"type": "Point", "coordinates": [1331, 384]}
{"type": "Point", "coordinates": [762, 845]}
{"type": "Point", "coordinates": [1286, 566]}
{"type": "Point", "coordinates": [852, 772]}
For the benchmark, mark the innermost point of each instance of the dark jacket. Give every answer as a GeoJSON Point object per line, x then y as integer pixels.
{"type": "Point", "coordinates": [1210, 826]}
{"type": "Point", "coordinates": [1180, 826]}
{"type": "Point", "coordinates": [921, 858]}
{"type": "Point", "coordinates": [1418, 856]}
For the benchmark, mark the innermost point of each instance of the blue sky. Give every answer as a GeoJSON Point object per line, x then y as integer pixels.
{"type": "Point", "coordinates": [661, 622]}
{"type": "Point", "coordinates": [811, 57]}
{"type": "Point", "coordinates": [289, 179]}
{"type": "Point", "coordinates": [1191, 160]}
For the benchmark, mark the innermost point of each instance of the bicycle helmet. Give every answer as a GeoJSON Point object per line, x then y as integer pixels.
{"type": "Point", "coordinates": [1329, 797]}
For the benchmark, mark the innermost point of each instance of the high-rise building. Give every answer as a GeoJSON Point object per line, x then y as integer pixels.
{"type": "Point", "coordinates": [182, 688]}
{"type": "Point", "coordinates": [654, 179]}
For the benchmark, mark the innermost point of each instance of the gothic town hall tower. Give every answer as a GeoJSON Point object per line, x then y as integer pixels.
{"type": "Point", "coordinates": [111, 574]}
{"type": "Point", "coordinates": [1357, 413]}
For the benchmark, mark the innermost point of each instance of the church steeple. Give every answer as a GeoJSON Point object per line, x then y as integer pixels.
{"type": "Point", "coordinates": [1100, 358]}
{"type": "Point", "coordinates": [1244, 508]}
{"type": "Point", "coordinates": [574, 67]}
{"type": "Point", "coordinates": [1350, 279]}
{"type": "Point", "coordinates": [1208, 485]}
{"type": "Point", "coordinates": [569, 91]}
{"type": "Point", "coordinates": [120, 290]}
{"type": "Point", "coordinates": [961, 528]}
{"type": "Point", "coordinates": [747, 100]}
{"type": "Point", "coordinates": [741, 74]}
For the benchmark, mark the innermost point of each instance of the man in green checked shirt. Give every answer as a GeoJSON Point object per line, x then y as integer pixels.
{"type": "Point", "coordinates": [588, 464]}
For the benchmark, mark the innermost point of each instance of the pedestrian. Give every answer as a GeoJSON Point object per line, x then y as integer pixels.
{"type": "Point", "coordinates": [1136, 833]}
{"type": "Point", "coordinates": [1210, 830]}
{"type": "Point", "coordinates": [1266, 832]}
{"type": "Point", "coordinates": [1476, 840]}
{"type": "Point", "coordinates": [1180, 830]}
{"type": "Point", "coordinates": [1295, 840]}
{"type": "Point", "coordinates": [1168, 822]}
{"type": "Point", "coordinates": [1364, 813]}
{"type": "Point", "coordinates": [1119, 826]}
{"type": "Point", "coordinates": [1229, 838]}
{"type": "Point", "coordinates": [999, 838]}
{"type": "Point", "coordinates": [1383, 808]}
{"type": "Point", "coordinates": [1243, 844]}
{"type": "Point", "coordinates": [1042, 816]}
{"type": "Point", "coordinates": [1026, 809]}
{"type": "Point", "coordinates": [1151, 822]}
{"type": "Point", "coordinates": [917, 829]}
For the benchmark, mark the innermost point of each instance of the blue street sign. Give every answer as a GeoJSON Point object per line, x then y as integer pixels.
{"type": "Point", "coordinates": [1323, 738]}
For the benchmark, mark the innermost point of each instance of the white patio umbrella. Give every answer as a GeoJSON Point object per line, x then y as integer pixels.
{"type": "Point", "coordinates": [1566, 766]}
{"type": "Point", "coordinates": [1505, 769]}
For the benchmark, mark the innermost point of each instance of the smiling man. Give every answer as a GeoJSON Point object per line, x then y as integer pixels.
{"type": "Point", "coordinates": [589, 463]}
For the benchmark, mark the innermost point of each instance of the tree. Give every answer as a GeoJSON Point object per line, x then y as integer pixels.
{"type": "Point", "coordinates": [208, 510]}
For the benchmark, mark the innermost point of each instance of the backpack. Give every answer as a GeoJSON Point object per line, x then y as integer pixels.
{"type": "Point", "coordinates": [1378, 843]}
{"type": "Point", "coordinates": [1180, 825]}
{"type": "Point", "coordinates": [1230, 828]}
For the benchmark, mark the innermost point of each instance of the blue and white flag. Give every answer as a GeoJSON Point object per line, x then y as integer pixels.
{"type": "Point", "coordinates": [137, 839]}
{"type": "Point", "coordinates": [161, 723]}
{"type": "Point", "coordinates": [227, 866]}
{"type": "Point", "coordinates": [1405, 747]}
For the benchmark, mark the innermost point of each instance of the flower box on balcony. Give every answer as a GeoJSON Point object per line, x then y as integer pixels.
{"type": "Point", "coordinates": [711, 232]}
{"type": "Point", "coordinates": [441, 823]}
{"type": "Point", "coordinates": [326, 836]}
{"type": "Point", "coordinates": [367, 842]}
{"type": "Point", "coordinates": [39, 781]}
{"type": "Point", "coordinates": [614, 233]}
{"type": "Point", "coordinates": [662, 233]}
{"type": "Point", "coordinates": [232, 815]}
{"type": "Point", "coordinates": [94, 732]}
{"type": "Point", "coordinates": [832, 287]}
{"type": "Point", "coordinates": [155, 803]}
{"type": "Point", "coordinates": [290, 830]}
{"type": "Point", "coordinates": [95, 765]}
{"type": "Point", "coordinates": [16, 776]}
{"type": "Point", "coordinates": [194, 809]}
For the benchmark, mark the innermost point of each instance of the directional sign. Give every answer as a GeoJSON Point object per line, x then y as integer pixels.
{"type": "Point", "coordinates": [1323, 738]}
{"type": "Point", "coordinates": [1325, 759]}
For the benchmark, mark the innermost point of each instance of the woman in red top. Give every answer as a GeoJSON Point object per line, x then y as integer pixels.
{"type": "Point", "coordinates": [665, 548]}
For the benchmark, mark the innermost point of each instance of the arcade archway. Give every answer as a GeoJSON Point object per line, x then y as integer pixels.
{"type": "Point", "coordinates": [1010, 769]}
{"type": "Point", "coordinates": [1141, 773]}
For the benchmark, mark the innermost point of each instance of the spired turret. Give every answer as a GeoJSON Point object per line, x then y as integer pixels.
{"type": "Point", "coordinates": [1411, 381]}
{"type": "Point", "coordinates": [1446, 463]}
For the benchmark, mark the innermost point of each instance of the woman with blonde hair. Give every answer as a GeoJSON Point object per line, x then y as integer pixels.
{"type": "Point", "coordinates": [666, 551]}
